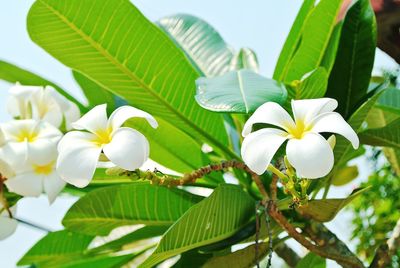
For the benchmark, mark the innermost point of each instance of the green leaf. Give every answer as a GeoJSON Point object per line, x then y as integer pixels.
{"type": "Point", "coordinates": [102, 210]}
{"type": "Point", "coordinates": [240, 258]}
{"type": "Point", "coordinates": [312, 86]}
{"type": "Point", "coordinates": [118, 48]}
{"type": "Point", "coordinates": [330, 53]}
{"type": "Point", "coordinates": [390, 101]}
{"type": "Point", "coordinates": [57, 247]}
{"type": "Point", "coordinates": [94, 93]}
{"type": "Point", "coordinates": [293, 40]}
{"type": "Point", "coordinates": [350, 76]}
{"type": "Point", "coordinates": [238, 91]}
{"type": "Point", "coordinates": [324, 210]}
{"type": "Point", "coordinates": [12, 73]}
{"type": "Point", "coordinates": [211, 56]}
{"type": "Point", "coordinates": [315, 39]}
{"type": "Point", "coordinates": [311, 260]}
{"type": "Point", "coordinates": [215, 218]}
{"type": "Point", "coordinates": [344, 175]}
{"type": "Point", "coordinates": [386, 136]}
{"type": "Point", "coordinates": [192, 258]}
{"type": "Point", "coordinates": [245, 59]}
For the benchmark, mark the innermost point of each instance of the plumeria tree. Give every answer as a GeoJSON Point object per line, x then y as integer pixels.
{"type": "Point", "coordinates": [176, 92]}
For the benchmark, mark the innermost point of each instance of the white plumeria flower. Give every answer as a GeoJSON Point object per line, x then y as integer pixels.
{"type": "Point", "coordinates": [22, 138]}
{"type": "Point", "coordinates": [8, 225]}
{"type": "Point", "coordinates": [306, 150]}
{"type": "Point", "coordinates": [42, 103]}
{"type": "Point", "coordinates": [79, 151]}
{"type": "Point", "coordinates": [37, 175]}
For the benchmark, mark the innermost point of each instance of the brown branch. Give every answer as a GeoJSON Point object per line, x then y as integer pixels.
{"type": "Point", "coordinates": [384, 254]}
{"type": "Point", "coordinates": [274, 187]}
{"type": "Point", "coordinates": [3, 199]}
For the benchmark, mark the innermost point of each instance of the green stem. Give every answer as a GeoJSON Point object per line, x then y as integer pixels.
{"type": "Point", "coordinates": [277, 172]}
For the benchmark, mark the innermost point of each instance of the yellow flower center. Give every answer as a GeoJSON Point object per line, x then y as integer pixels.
{"type": "Point", "coordinates": [299, 130]}
{"type": "Point", "coordinates": [26, 135]}
{"type": "Point", "coordinates": [44, 169]}
{"type": "Point", "coordinates": [103, 136]}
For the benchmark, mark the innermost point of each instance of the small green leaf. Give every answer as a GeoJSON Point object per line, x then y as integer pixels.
{"type": "Point", "coordinates": [104, 261]}
{"type": "Point", "coordinates": [317, 31]}
{"type": "Point", "coordinates": [350, 76]}
{"type": "Point", "coordinates": [211, 56]}
{"type": "Point", "coordinates": [292, 40]}
{"type": "Point", "coordinates": [390, 101]}
{"type": "Point", "coordinates": [238, 92]}
{"type": "Point", "coordinates": [102, 210]}
{"type": "Point", "coordinates": [344, 175]}
{"type": "Point", "coordinates": [312, 260]}
{"type": "Point", "coordinates": [245, 59]}
{"type": "Point", "coordinates": [388, 135]}
{"type": "Point", "coordinates": [324, 210]}
{"type": "Point", "coordinates": [217, 217]}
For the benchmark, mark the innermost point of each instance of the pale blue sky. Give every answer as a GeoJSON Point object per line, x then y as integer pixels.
{"type": "Point", "coordinates": [259, 24]}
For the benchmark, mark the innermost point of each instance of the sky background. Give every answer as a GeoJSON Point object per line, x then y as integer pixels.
{"type": "Point", "coordinates": [261, 25]}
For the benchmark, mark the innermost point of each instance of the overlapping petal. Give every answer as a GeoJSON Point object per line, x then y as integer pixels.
{"type": "Point", "coordinates": [120, 115]}
{"type": "Point", "coordinates": [94, 120]}
{"type": "Point", "coordinates": [53, 185]}
{"type": "Point", "coordinates": [334, 123]}
{"type": "Point", "coordinates": [259, 147]}
{"type": "Point", "coordinates": [269, 113]}
{"type": "Point", "coordinates": [7, 225]}
{"type": "Point", "coordinates": [306, 110]}
{"type": "Point", "coordinates": [77, 160]}
{"type": "Point", "coordinates": [311, 156]}
{"type": "Point", "coordinates": [26, 184]}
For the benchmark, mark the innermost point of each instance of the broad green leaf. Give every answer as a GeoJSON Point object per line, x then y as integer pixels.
{"type": "Point", "coordinates": [312, 86]}
{"type": "Point", "coordinates": [240, 91]}
{"type": "Point", "coordinates": [192, 258]}
{"type": "Point", "coordinates": [344, 175]}
{"type": "Point", "coordinates": [113, 44]}
{"type": "Point", "coordinates": [102, 210]}
{"type": "Point", "coordinates": [215, 218]}
{"type": "Point", "coordinates": [311, 260]}
{"type": "Point", "coordinates": [137, 235]}
{"type": "Point", "coordinates": [317, 31]}
{"type": "Point", "coordinates": [94, 93]}
{"type": "Point", "coordinates": [245, 59]}
{"type": "Point", "coordinates": [393, 156]}
{"type": "Point", "coordinates": [12, 73]}
{"type": "Point", "coordinates": [293, 40]}
{"type": "Point", "coordinates": [324, 210]}
{"type": "Point", "coordinates": [57, 247]}
{"type": "Point", "coordinates": [388, 136]}
{"type": "Point", "coordinates": [390, 101]}
{"type": "Point", "coordinates": [350, 76]}
{"type": "Point", "coordinates": [238, 259]}
{"type": "Point", "coordinates": [211, 56]}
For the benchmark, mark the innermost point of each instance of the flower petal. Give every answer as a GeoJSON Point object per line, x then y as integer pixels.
{"type": "Point", "coordinates": [77, 159]}
{"type": "Point", "coordinates": [7, 225]}
{"type": "Point", "coordinates": [259, 148]}
{"type": "Point", "coordinates": [53, 184]}
{"type": "Point", "coordinates": [335, 123]}
{"type": "Point", "coordinates": [6, 170]}
{"type": "Point", "coordinates": [269, 113]}
{"type": "Point", "coordinates": [311, 156]}
{"type": "Point", "coordinates": [42, 152]}
{"type": "Point", "coordinates": [26, 184]}
{"type": "Point", "coordinates": [71, 115]}
{"type": "Point", "coordinates": [94, 120]}
{"type": "Point", "coordinates": [74, 137]}
{"type": "Point", "coordinates": [120, 115]}
{"type": "Point", "coordinates": [306, 110]}
{"type": "Point", "coordinates": [128, 149]}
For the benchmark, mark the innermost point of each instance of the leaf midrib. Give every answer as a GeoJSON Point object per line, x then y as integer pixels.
{"type": "Point", "coordinates": [131, 75]}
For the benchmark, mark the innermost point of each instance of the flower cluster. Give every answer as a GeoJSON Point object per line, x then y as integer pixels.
{"type": "Point", "coordinates": [37, 156]}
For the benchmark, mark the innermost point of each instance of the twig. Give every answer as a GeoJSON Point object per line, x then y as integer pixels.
{"type": "Point", "coordinates": [274, 187]}
{"type": "Point", "coordinates": [287, 254]}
